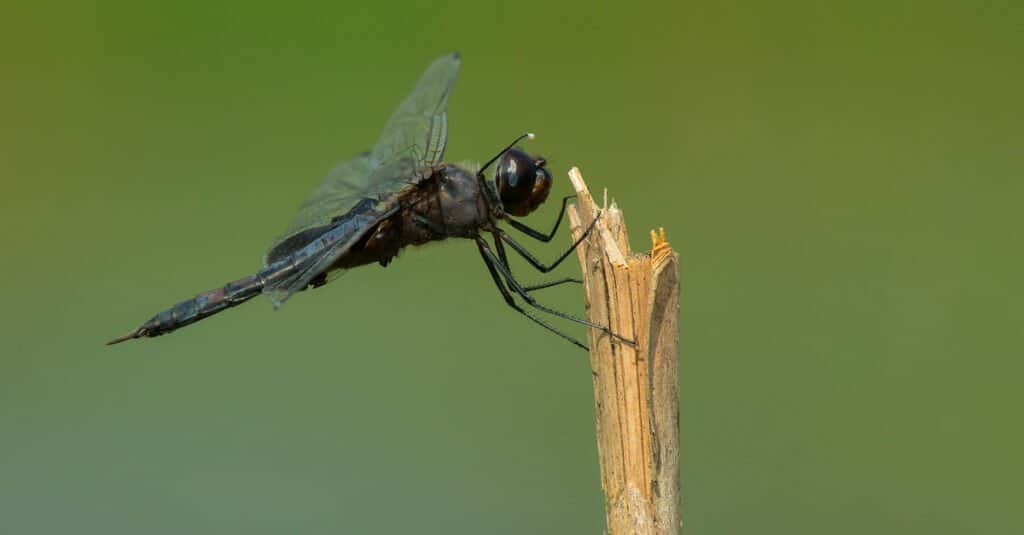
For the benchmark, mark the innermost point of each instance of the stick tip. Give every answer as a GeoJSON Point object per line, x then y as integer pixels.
{"type": "Point", "coordinates": [577, 181]}
{"type": "Point", "coordinates": [659, 245]}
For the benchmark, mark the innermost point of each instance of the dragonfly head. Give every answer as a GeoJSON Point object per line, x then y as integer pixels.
{"type": "Point", "coordinates": [523, 182]}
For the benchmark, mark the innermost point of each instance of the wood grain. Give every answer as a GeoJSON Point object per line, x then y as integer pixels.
{"type": "Point", "coordinates": [636, 393]}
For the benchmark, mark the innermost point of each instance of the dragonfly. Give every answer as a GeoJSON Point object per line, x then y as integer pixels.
{"type": "Point", "coordinates": [402, 193]}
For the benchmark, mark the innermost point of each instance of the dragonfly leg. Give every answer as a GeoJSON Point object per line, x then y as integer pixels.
{"type": "Point", "coordinates": [500, 248]}
{"type": "Point", "coordinates": [491, 260]}
{"type": "Point", "coordinates": [533, 260]}
{"type": "Point", "coordinates": [518, 289]}
{"type": "Point", "coordinates": [549, 284]}
{"type": "Point", "coordinates": [536, 234]}
{"type": "Point", "coordinates": [501, 251]}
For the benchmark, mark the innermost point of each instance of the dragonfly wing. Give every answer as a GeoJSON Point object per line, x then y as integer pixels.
{"type": "Point", "coordinates": [418, 129]}
{"type": "Point", "coordinates": [322, 252]}
{"type": "Point", "coordinates": [413, 139]}
{"type": "Point", "coordinates": [335, 195]}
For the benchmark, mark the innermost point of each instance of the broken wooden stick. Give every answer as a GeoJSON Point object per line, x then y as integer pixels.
{"type": "Point", "coordinates": [636, 392]}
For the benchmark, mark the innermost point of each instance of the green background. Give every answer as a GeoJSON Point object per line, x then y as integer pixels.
{"type": "Point", "coordinates": [842, 181]}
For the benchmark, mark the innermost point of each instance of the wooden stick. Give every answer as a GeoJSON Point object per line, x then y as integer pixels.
{"type": "Point", "coordinates": [636, 392]}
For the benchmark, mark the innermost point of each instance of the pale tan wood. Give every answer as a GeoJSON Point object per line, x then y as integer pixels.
{"type": "Point", "coordinates": [636, 392]}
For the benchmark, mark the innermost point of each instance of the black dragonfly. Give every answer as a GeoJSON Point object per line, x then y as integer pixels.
{"type": "Point", "coordinates": [400, 193]}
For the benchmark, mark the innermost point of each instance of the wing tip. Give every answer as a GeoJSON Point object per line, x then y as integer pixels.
{"type": "Point", "coordinates": [453, 59]}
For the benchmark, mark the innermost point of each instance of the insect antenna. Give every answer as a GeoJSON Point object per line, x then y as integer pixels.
{"type": "Point", "coordinates": [528, 135]}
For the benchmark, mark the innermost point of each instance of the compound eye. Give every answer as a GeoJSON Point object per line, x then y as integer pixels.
{"type": "Point", "coordinates": [522, 181]}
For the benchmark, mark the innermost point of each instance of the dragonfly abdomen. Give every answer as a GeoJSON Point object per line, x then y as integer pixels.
{"type": "Point", "coordinates": [200, 307]}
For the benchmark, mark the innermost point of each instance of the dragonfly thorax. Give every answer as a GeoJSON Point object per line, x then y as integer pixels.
{"type": "Point", "coordinates": [461, 205]}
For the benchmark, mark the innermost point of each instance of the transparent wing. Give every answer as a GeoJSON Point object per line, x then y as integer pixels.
{"type": "Point", "coordinates": [413, 139]}
{"type": "Point", "coordinates": [324, 250]}
{"type": "Point", "coordinates": [335, 195]}
{"type": "Point", "coordinates": [418, 129]}
{"type": "Point", "coordinates": [281, 290]}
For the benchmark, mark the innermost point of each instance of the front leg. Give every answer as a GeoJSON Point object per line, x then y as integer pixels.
{"type": "Point", "coordinates": [537, 235]}
{"type": "Point", "coordinates": [500, 247]}
{"type": "Point", "coordinates": [537, 263]}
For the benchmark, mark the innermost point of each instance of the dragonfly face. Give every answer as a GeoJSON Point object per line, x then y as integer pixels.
{"type": "Point", "coordinates": [523, 182]}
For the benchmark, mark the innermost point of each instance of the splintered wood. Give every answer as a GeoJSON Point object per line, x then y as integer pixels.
{"type": "Point", "coordinates": [636, 393]}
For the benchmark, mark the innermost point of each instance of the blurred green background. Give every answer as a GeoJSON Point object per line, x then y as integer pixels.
{"type": "Point", "coordinates": [842, 181]}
